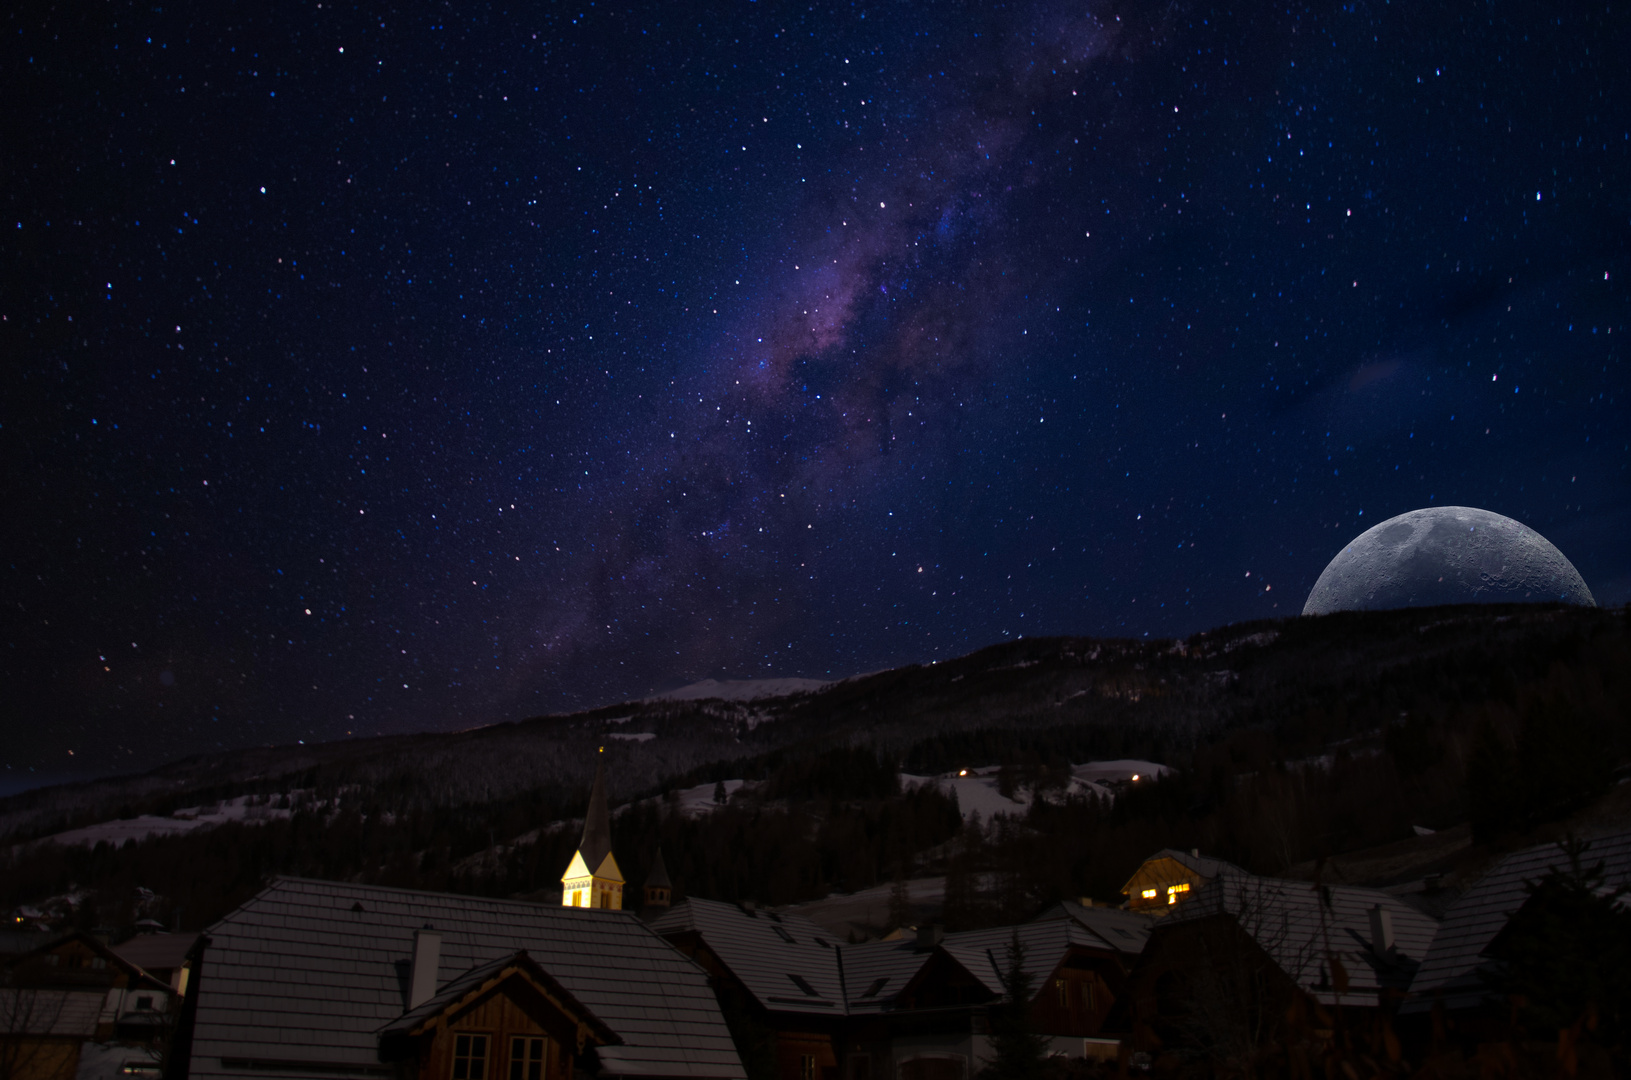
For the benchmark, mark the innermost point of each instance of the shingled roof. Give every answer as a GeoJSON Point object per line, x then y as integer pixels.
{"type": "Point", "coordinates": [786, 961]}
{"type": "Point", "coordinates": [791, 965]}
{"type": "Point", "coordinates": [984, 953]}
{"type": "Point", "coordinates": [1299, 924]}
{"type": "Point", "coordinates": [300, 981]}
{"type": "Point", "coordinates": [1124, 931]}
{"type": "Point", "coordinates": [1450, 969]}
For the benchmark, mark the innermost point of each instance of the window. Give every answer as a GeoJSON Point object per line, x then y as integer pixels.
{"type": "Point", "coordinates": [1148, 894]}
{"type": "Point", "coordinates": [145, 1002]}
{"type": "Point", "coordinates": [807, 1067]}
{"type": "Point", "coordinates": [799, 981]}
{"type": "Point", "coordinates": [526, 1059]}
{"type": "Point", "coordinates": [1063, 988]}
{"type": "Point", "coordinates": [1173, 892]}
{"type": "Point", "coordinates": [470, 1057]}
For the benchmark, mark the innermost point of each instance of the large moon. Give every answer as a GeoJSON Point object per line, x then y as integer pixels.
{"type": "Point", "coordinates": [1446, 555]}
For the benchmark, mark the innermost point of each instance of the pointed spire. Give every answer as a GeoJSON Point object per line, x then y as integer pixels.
{"type": "Point", "coordinates": [659, 890]}
{"type": "Point", "coordinates": [659, 874]}
{"type": "Point", "coordinates": [597, 823]}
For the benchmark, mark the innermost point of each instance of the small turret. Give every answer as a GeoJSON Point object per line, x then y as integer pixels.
{"type": "Point", "coordinates": [594, 879]}
{"type": "Point", "coordinates": [659, 890]}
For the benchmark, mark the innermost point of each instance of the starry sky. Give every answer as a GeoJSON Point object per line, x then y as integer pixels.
{"type": "Point", "coordinates": [375, 370]}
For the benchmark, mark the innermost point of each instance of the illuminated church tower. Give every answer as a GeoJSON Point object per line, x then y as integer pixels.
{"type": "Point", "coordinates": [593, 879]}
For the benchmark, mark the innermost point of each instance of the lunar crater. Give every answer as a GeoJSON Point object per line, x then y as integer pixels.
{"type": "Point", "coordinates": [1446, 555]}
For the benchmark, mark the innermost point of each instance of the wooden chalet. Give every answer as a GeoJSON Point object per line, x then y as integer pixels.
{"type": "Point", "coordinates": [319, 979]}
{"type": "Point", "coordinates": [59, 997]}
{"type": "Point", "coordinates": [1168, 877]}
{"type": "Point", "coordinates": [912, 1009]}
{"type": "Point", "coordinates": [1239, 950]}
{"type": "Point", "coordinates": [509, 1013]}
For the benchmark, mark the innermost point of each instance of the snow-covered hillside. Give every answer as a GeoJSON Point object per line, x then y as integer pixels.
{"type": "Point", "coordinates": [978, 792]}
{"type": "Point", "coordinates": [741, 689]}
{"type": "Point", "coordinates": [249, 809]}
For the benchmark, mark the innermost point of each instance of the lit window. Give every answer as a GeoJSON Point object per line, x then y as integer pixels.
{"type": "Point", "coordinates": [470, 1057]}
{"type": "Point", "coordinates": [526, 1059]}
{"type": "Point", "coordinates": [1174, 890]}
{"type": "Point", "coordinates": [1148, 894]}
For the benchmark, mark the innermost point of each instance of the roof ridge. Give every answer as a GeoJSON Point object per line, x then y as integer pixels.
{"type": "Point", "coordinates": [281, 879]}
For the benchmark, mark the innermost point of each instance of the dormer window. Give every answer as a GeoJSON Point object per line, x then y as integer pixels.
{"type": "Point", "coordinates": [877, 984]}
{"type": "Point", "coordinates": [784, 935]}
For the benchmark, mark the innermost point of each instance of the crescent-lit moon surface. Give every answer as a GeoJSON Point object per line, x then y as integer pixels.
{"type": "Point", "coordinates": [1446, 555]}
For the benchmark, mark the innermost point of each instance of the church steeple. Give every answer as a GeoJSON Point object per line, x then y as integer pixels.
{"type": "Point", "coordinates": [659, 889]}
{"type": "Point", "coordinates": [594, 879]}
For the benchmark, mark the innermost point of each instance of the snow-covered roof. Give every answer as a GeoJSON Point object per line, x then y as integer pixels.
{"type": "Point", "coordinates": [1300, 925]}
{"type": "Point", "coordinates": [787, 962]}
{"type": "Point", "coordinates": [305, 975]}
{"type": "Point", "coordinates": [1450, 969]}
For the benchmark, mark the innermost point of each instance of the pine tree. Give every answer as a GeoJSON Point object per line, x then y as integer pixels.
{"type": "Point", "coordinates": [1020, 1053]}
{"type": "Point", "coordinates": [1567, 951]}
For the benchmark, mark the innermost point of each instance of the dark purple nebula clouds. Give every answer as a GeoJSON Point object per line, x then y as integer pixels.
{"type": "Point", "coordinates": [377, 373]}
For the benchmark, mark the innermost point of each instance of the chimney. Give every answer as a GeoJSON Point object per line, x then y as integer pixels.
{"type": "Point", "coordinates": [930, 935]}
{"type": "Point", "coordinates": [1381, 931]}
{"type": "Point", "coordinates": [427, 959]}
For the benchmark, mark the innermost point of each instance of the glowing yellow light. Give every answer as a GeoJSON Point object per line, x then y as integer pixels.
{"type": "Point", "coordinates": [1149, 894]}
{"type": "Point", "coordinates": [1135, 776]}
{"type": "Point", "coordinates": [962, 772]}
{"type": "Point", "coordinates": [1174, 890]}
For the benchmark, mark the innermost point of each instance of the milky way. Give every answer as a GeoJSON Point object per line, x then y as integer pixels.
{"type": "Point", "coordinates": [372, 374]}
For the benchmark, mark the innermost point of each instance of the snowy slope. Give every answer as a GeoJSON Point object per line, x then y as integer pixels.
{"type": "Point", "coordinates": [977, 789]}
{"type": "Point", "coordinates": [741, 689]}
{"type": "Point", "coordinates": [122, 832]}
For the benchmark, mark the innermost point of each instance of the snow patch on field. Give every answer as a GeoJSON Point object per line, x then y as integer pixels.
{"type": "Point", "coordinates": [249, 809]}
{"type": "Point", "coordinates": [978, 790]}
{"type": "Point", "coordinates": [632, 736]}
{"type": "Point", "coordinates": [741, 689]}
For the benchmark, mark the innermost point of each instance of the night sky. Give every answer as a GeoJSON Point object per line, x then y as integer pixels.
{"type": "Point", "coordinates": [380, 370]}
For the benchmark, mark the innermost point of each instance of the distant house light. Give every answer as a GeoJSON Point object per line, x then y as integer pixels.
{"type": "Point", "coordinates": [962, 772]}
{"type": "Point", "coordinates": [1173, 891]}
{"type": "Point", "coordinates": [1135, 776]}
{"type": "Point", "coordinates": [1148, 894]}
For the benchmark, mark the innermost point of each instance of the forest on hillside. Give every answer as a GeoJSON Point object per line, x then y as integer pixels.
{"type": "Point", "coordinates": [1289, 741]}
